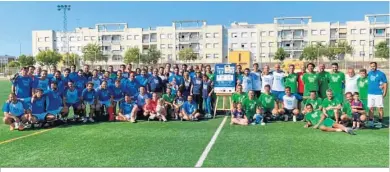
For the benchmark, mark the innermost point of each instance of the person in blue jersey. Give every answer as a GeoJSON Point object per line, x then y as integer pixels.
{"type": "Point", "coordinates": [66, 77]}
{"type": "Point", "coordinates": [207, 91]}
{"type": "Point", "coordinates": [123, 80]}
{"type": "Point", "coordinates": [87, 74]}
{"type": "Point", "coordinates": [140, 98]}
{"type": "Point", "coordinates": [178, 103]}
{"type": "Point", "coordinates": [186, 88]}
{"type": "Point", "coordinates": [73, 73]}
{"type": "Point", "coordinates": [72, 98]}
{"type": "Point", "coordinates": [129, 68]}
{"type": "Point", "coordinates": [112, 72]}
{"type": "Point", "coordinates": [80, 81]}
{"type": "Point", "coordinates": [54, 101]}
{"type": "Point", "coordinates": [43, 82]}
{"type": "Point", "coordinates": [88, 97]}
{"type": "Point", "coordinates": [192, 71]}
{"type": "Point", "coordinates": [143, 78]}
{"type": "Point", "coordinates": [137, 72]}
{"type": "Point", "coordinates": [16, 113]}
{"type": "Point", "coordinates": [118, 93]}
{"type": "Point", "coordinates": [22, 86]}
{"type": "Point", "coordinates": [196, 89]}
{"type": "Point", "coordinates": [106, 77]}
{"type": "Point", "coordinates": [377, 91]}
{"type": "Point", "coordinates": [53, 70]}
{"type": "Point", "coordinates": [173, 86]}
{"type": "Point", "coordinates": [30, 72]}
{"type": "Point", "coordinates": [256, 80]}
{"type": "Point", "coordinates": [247, 82]}
{"type": "Point", "coordinates": [132, 86]}
{"type": "Point", "coordinates": [123, 69]}
{"type": "Point", "coordinates": [179, 79]}
{"type": "Point", "coordinates": [95, 79]}
{"type": "Point", "coordinates": [38, 72]}
{"type": "Point", "coordinates": [155, 83]}
{"type": "Point", "coordinates": [38, 108]}
{"type": "Point", "coordinates": [104, 100]}
{"type": "Point", "coordinates": [127, 110]}
{"type": "Point", "coordinates": [60, 82]}
{"type": "Point", "coordinates": [100, 71]}
{"type": "Point", "coordinates": [189, 110]}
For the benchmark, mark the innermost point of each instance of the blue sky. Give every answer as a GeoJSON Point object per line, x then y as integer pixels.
{"type": "Point", "coordinates": [18, 19]}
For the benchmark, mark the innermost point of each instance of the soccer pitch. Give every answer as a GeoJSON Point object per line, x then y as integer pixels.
{"type": "Point", "coordinates": [181, 144]}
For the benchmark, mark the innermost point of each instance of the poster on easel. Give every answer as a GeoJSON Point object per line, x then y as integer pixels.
{"type": "Point", "coordinates": [225, 78]}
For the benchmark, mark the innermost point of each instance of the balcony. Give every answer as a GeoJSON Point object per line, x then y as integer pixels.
{"type": "Point", "coordinates": [145, 41]}
{"type": "Point", "coordinates": [342, 35]}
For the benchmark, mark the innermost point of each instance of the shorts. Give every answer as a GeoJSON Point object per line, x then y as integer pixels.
{"type": "Point", "coordinates": [328, 122]}
{"type": "Point", "coordinates": [375, 101]}
{"type": "Point", "coordinates": [127, 116]}
{"type": "Point", "coordinates": [107, 103]}
{"type": "Point", "coordinates": [267, 111]}
{"type": "Point", "coordinates": [40, 116]}
{"type": "Point", "coordinates": [55, 112]}
{"type": "Point", "coordinates": [288, 112]}
{"type": "Point", "coordinates": [277, 94]}
{"type": "Point", "coordinates": [74, 105]}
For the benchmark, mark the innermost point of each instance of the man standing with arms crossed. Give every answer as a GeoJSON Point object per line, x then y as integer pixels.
{"type": "Point", "coordinates": [377, 90]}
{"type": "Point", "coordinates": [351, 81]}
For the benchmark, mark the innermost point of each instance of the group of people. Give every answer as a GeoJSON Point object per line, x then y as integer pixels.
{"type": "Point", "coordinates": [39, 98]}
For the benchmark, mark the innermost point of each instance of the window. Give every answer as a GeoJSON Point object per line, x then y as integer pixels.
{"type": "Point", "coordinates": [270, 44]}
{"type": "Point", "coordinates": [86, 38]}
{"type": "Point", "coordinates": [362, 42]}
{"type": "Point", "coordinates": [93, 38]}
{"type": "Point", "coordinates": [129, 37]}
{"type": "Point", "coordinates": [170, 46]}
{"type": "Point", "coordinates": [216, 56]}
{"type": "Point", "coordinates": [253, 45]}
{"type": "Point", "coordinates": [263, 44]}
{"type": "Point", "coordinates": [162, 36]}
{"type": "Point", "coordinates": [314, 32]}
{"type": "Point", "coordinates": [234, 45]}
{"type": "Point", "coordinates": [271, 33]}
{"type": "Point", "coordinates": [234, 35]}
{"type": "Point", "coordinates": [323, 42]}
{"type": "Point", "coordinates": [353, 42]}
{"type": "Point", "coordinates": [243, 45]}
{"type": "Point", "coordinates": [72, 38]}
{"type": "Point", "coordinates": [323, 32]}
{"type": "Point", "coordinates": [208, 35]}
{"type": "Point", "coordinates": [41, 39]}
{"type": "Point", "coordinates": [253, 34]}
{"type": "Point", "coordinates": [208, 45]}
{"type": "Point", "coordinates": [363, 31]}
{"type": "Point", "coordinates": [117, 58]}
{"type": "Point", "coordinates": [47, 39]}
{"type": "Point", "coordinates": [72, 48]}
{"type": "Point", "coordinates": [262, 55]}
{"type": "Point", "coordinates": [216, 45]}
{"type": "Point", "coordinates": [169, 56]}
{"type": "Point", "coordinates": [79, 38]}
{"type": "Point", "coordinates": [353, 31]}
{"type": "Point", "coordinates": [313, 43]}
{"type": "Point", "coordinates": [362, 54]}
{"type": "Point", "coordinates": [208, 56]}
{"type": "Point", "coordinates": [136, 37]}
{"type": "Point", "coordinates": [263, 33]}
{"type": "Point", "coordinates": [254, 56]}
{"type": "Point", "coordinates": [162, 46]}
{"type": "Point", "coordinates": [244, 35]}
{"type": "Point", "coordinates": [216, 35]}
{"type": "Point", "coordinates": [371, 43]}
{"type": "Point", "coordinates": [169, 36]}
{"type": "Point", "coordinates": [63, 38]}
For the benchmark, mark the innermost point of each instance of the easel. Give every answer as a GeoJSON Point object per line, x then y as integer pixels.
{"type": "Point", "coordinates": [224, 96]}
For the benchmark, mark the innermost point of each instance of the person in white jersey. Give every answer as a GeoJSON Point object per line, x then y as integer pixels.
{"type": "Point", "coordinates": [266, 78]}
{"type": "Point", "coordinates": [278, 84]}
{"type": "Point", "coordinates": [289, 106]}
{"type": "Point", "coordinates": [256, 80]}
{"type": "Point", "coordinates": [247, 82]}
{"type": "Point", "coordinates": [351, 81]}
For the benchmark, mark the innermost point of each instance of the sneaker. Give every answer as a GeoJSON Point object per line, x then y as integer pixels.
{"type": "Point", "coordinates": [91, 120]}
{"type": "Point", "coordinates": [263, 123]}
{"type": "Point", "coordinates": [353, 128]}
{"type": "Point", "coordinates": [12, 127]}
{"type": "Point", "coordinates": [75, 117]}
{"type": "Point", "coordinates": [350, 131]}
{"type": "Point", "coordinates": [253, 123]}
{"type": "Point", "coordinates": [294, 118]}
{"type": "Point", "coordinates": [27, 125]}
{"type": "Point", "coordinates": [194, 119]}
{"type": "Point", "coordinates": [85, 120]}
{"type": "Point", "coordinates": [285, 118]}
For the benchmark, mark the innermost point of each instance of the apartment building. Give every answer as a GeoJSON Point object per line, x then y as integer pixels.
{"type": "Point", "coordinates": [207, 41]}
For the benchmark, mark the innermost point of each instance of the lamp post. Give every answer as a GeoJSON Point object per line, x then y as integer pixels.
{"type": "Point", "coordinates": [65, 8]}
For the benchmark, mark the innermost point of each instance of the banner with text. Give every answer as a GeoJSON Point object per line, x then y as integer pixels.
{"type": "Point", "coordinates": [225, 79]}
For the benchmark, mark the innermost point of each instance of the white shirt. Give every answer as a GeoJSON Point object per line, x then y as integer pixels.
{"type": "Point", "coordinates": [256, 81]}
{"type": "Point", "coordinates": [278, 84]}
{"type": "Point", "coordinates": [266, 80]}
{"type": "Point", "coordinates": [351, 83]}
{"type": "Point", "coordinates": [290, 102]}
{"type": "Point", "coordinates": [246, 83]}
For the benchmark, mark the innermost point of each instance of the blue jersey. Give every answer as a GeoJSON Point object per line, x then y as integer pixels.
{"type": "Point", "coordinates": [38, 106]}
{"type": "Point", "coordinates": [73, 76]}
{"type": "Point", "coordinates": [88, 96]}
{"type": "Point", "coordinates": [126, 74]}
{"type": "Point", "coordinates": [132, 88]}
{"type": "Point", "coordinates": [179, 100]}
{"type": "Point", "coordinates": [80, 82]}
{"type": "Point", "coordinates": [190, 108]}
{"type": "Point", "coordinates": [96, 82]}
{"type": "Point", "coordinates": [103, 94]}
{"type": "Point", "coordinates": [16, 109]}
{"type": "Point", "coordinates": [179, 79]}
{"type": "Point", "coordinates": [206, 88]}
{"type": "Point", "coordinates": [61, 84]}
{"type": "Point", "coordinates": [375, 80]}
{"type": "Point", "coordinates": [238, 114]}
{"type": "Point", "coordinates": [50, 76]}
{"type": "Point", "coordinates": [109, 81]}
{"type": "Point", "coordinates": [23, 86]}
{"type": "Point", "coordinates": [197, 86]}
{"type": "Point", "coordinates": [53, 99]}
{"type": "Point", "coordinates": [123, 82]}
{"type": "Point", "coordinates": [247, 83]}
{"type": "Point", "coordinates": [126, 108]}
{"type": "Point", "coordinates": [155, 84]}
{"type": "Point", "coordinates": [117, 92]}
{"type": "Point", "coordinates": [42, 84]}
{"type": "Point", "coordinates": [72, 96]}
{"type": "Point", "coordinates": [142, 80]}
{"type": "Point", "coordinates": [141, 99]}
{"type": "Point", "coordinates": [192, 75]}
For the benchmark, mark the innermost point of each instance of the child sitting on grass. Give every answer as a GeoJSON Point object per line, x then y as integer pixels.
{"type": "Point", "coordinates": [161, 111]}
{"type": "Point", "coordinates": [357, 110]}
{"type": "Point", "coordinates": [238, 116]}
{"type": "Point", "coordinates": [258, 118]}
{"type": "Point", "coordinates": [149, 109]}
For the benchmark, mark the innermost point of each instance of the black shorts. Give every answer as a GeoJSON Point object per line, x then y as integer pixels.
{"type": "Point", "coordinates": [288, 112]}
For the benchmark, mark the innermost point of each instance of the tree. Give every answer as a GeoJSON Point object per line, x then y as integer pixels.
{"type": "Point", "coordinates": [132, 55]}
{"type": "Point", "coordinates": [13, 64]}
{"type": "Point", "coordinates": [48, 58]}
{"type": "Point", "coordinates": [26, 60]}
{"type": "Point", "coordinates": [187, 54]}
{"type": "Point", "coordinates": [93, 53]}
{"type": "Point", "coordinates": [151, 57]}
{"type": "Point", "coordinates": [382, 50]}
{"type": "Point", "coordinates": [280, 54]}
{"type": "Point", "coordinates": [70, 59]}
{"type": "Point", "coordinates": [310, 53]}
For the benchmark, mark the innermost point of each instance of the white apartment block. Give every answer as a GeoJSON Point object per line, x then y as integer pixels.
{"type": "Point", "coordinates": [262, 40]}
{"type": "Point", "coordinates": [206, 40]}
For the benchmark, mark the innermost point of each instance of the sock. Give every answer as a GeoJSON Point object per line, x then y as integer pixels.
{"type": "Point", "coordinates": [294, 118]}
{"type": "Point", "coordinates": [110, 113]}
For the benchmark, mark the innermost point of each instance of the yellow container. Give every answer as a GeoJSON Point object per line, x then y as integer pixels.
{"type": "Point", "coordinates": [240, 58]}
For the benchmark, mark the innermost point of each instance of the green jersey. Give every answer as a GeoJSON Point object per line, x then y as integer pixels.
{"type": "Point", "coordinates": [347, 108]}
{"type": "Point", "coordinates": [168, 98]}
{"type": "Point", "coordinates": [291, 80]}
{"type": "Point", "coordinates": [311, 81]}
{"type": "Point", "coordinates": [314, 117]}
{"type": "Point", "coordinates": [336, 81]}
{"type": "Point", "coordinates": [316, 103]}
{"type": "Point", "coordinates": [239, 97]}
{"type": "Point", "coordinates": [327, 103]}
{"type": "Point", "coordinates": [210, 76]}
{"type": "Point", "coordinates": [362, 84]}
{"type": "Point", "coordinates": [323, 79]}
{"type": "Point", "coordinates": [250, 107]}
{"type": "Point", "coordinates": [267, 101]}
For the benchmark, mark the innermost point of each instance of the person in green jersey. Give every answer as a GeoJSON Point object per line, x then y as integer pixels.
{"type": "Point", "coordinates": [311, 81]}
{"type": "Point", "coordinates": [331, 107]}
{"type": "Point", "coordinates": [319, 120]}
{"type": "Point", "coordinates": [323, 81]}
{"type": "Point", "coordinates": [250, 104]}
{"type": "Point", "coordinates": [238, 96]}
{"type": "Point", "coordinates": [336, 80]}
{"type": "Point", "coordinates": [268, 104]}
{"type": "Point", "coordinates": [168, 97]}
{"type": "Point", "coordinates": [291, 79]}
{"type": "Point", "coordinates": [314, 100]}
{"type": "Point", "coordinates": [362, 84]}
{"type": "Point", "coordinates": [347, 109]}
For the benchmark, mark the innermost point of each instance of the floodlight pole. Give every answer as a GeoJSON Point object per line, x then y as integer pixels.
{"type": "Point", "coordinates": [65, 8]}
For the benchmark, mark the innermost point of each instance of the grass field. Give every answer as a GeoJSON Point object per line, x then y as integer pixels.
{"type": "Point", "coordinates": [180, 144]}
